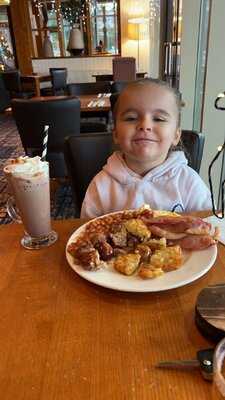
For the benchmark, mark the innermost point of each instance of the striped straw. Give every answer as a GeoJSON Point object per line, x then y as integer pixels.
{"type": "Point", "coordinates": [45, 143]}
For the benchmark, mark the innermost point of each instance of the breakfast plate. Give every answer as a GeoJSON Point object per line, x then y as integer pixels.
{"type": "Point", "coordinates": [196, 264]}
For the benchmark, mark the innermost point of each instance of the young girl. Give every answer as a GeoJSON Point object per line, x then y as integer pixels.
{"type": "Point", "coordinates": [146, 170]}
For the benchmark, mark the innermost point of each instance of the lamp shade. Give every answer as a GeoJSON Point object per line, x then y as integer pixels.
{"type": "Point", "coordinates": [76, 42]}
{"type": "Point", "coordinates": [133, 31]}
{"type": "Point", "coordinates": [4, 2]}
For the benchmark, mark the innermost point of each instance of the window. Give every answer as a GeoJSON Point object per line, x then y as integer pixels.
{"type": "Point", "coordinates": [57, 24]}
{"type": "Point", "coordinates": [104, 26]}
{"type": "Point", "coordinates": [7, 60]}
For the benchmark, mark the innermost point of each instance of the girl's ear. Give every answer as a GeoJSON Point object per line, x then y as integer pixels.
{"type": "Point", "coordinates": [177, 137]}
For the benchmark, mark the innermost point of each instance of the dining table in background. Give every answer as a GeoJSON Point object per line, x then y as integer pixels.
{"type": "Point", "coordinates": [88, 102]}
{"type": "Point", "coordinates": [109, 77]}
{"type": "Point", "coordinates": [62, 337]}
{"type": "Point", "coordinates": [34, 80]}
{"type": "Point", "coordinates": [93, 103]}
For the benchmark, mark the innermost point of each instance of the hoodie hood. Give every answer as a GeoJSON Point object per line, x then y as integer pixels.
{"type": "Point", "coordinates": [118, 170]}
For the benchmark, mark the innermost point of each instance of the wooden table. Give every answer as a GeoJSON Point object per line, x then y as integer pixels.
{"type": "Point", "coordinates": [109, 77]}
{"type": "Point", "coordinates": [84, 101]}
{"type": "Point", "coordinates": [87, 98]}
{"type": "Point", "coordinates": [63, 338]}
{"type": "Point", "coordinates": [35, 80]}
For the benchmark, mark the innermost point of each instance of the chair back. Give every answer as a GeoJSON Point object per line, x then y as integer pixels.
{"type": "Point", "coordinates": [124, 69]}
{"type": "Point", "coordinates": [85, 155]}
{"type": "Point", "coordinates": [118, 86]}
{"type": "Point", "coordinates": [63, 118]}
{"type": "Point", "coordinates": [59, 80]}
{"type": "Point", "coordinates": [4, 96]}
{"type": "Point", "coordinates": [193, 143]}
{"type": "Point", "coordinates": [12, 81]}
{"type": "Point", "coordinates": [113, 99]}
{"type": "Point", "coordinates": [77, 89]}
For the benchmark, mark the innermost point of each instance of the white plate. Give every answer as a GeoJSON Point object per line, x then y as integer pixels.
{"type": "Point", "coordinates": [195, 266]}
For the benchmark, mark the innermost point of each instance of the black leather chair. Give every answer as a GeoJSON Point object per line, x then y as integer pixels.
{"type": "Point", "coordinates": [63, 118]}
{"type": "Point", "coordinates": [113, 99]}
{"type": "Point", "coordinates": [85, 155]}
{"type": "Point", "coordinates": [4, 96]}
{"type": "Point", "coordinates": [12, 82]}
{"type": "Point", "coordinates": [193, 143]}
{"type": "Point", "coordinates": [118, 86]}
{"type": "Point", "coordinates": [77, 89]}
{"type": "Point", "coordinates": [59, 83]}
{"type": "Point", "coordinates": [99, 124]}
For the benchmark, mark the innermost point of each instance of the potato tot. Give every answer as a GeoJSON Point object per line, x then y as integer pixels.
{"type": "Point", "coordinates": [127, 264]}
{"type": "Point", "coordinates": [167, 259]}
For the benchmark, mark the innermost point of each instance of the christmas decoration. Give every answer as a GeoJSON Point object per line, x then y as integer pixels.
{"type": "Point", "coordinates": [74, 11]}
{"type": "Point", "coordinates": [5, 52]}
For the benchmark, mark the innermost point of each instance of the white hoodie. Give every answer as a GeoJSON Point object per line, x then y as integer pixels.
{"type": "Point", "coordinates": [116, 187]}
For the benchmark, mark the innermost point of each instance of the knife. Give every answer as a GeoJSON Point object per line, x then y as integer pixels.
{"type": "Point", "coordinates": [204, 361]}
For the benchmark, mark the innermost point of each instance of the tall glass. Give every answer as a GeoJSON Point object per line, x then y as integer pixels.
{"type": "Point", "coordinates": [219, 371]}
{"type": "Point", "coordinates": [28, 180]}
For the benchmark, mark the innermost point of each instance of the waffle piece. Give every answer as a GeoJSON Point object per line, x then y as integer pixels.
{"type": "Point", "coordinates": [127, 264]}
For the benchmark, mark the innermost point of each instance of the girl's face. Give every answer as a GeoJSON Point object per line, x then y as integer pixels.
{"type": "Point", "coordinates": [146, 126]}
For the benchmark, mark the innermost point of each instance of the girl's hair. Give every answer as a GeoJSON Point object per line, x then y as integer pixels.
{"type": "Point", "coordinates": [154, 81]}
{"type": "Point", "coordinates": [158, 82]}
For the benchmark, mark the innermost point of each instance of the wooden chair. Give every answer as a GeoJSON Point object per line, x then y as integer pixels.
{"type": "Point", "coordinates": [124, 69]}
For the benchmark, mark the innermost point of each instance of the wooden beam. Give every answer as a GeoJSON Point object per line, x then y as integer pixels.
{"type": "Point", "coordinates": [22, 34]}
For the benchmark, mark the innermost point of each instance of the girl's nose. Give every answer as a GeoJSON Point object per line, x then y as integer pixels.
{"type": "Point", "coordinates": [145, 123]}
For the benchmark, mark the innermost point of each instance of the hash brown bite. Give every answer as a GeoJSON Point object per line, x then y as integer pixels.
{"type": "Point", "coordinates": [137, 228]}
{"type": "Point", "coordinates": [148, 271]}
{"type": "Point", "coordinates": [127, 264]}
{"type": "Point", "coordinates": [168, 259]}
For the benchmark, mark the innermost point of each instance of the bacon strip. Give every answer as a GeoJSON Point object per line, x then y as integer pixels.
{"type": "Point", "coordinates": [194, 242]}
{"type": "Point", "coordinates": [190, 233]}
{"type": "Point", "coordinates": [157, 231]}
{"type": "Point", "coordinates": [182, 222]}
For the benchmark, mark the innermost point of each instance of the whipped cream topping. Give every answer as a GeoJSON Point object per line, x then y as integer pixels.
{"type": "Point", "coordinates": [26, 167]}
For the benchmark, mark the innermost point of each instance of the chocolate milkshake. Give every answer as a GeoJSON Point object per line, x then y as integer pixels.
{"type": "Point", "coordinates": [28, 179]}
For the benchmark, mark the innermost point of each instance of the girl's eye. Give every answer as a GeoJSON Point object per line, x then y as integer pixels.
{"type": "Point", "coordinates": [159, 119]}
{"type": "Point", "coordinates": [130, 118]}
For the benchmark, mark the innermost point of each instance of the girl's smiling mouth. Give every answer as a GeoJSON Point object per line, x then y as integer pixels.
{"type": "Point", "coordinates": [144, 140]}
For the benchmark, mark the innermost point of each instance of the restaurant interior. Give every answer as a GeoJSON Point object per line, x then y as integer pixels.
{"type": "Point", "coordinates": [66, 333]}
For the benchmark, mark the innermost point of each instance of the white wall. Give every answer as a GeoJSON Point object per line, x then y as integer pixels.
{"type": "Point", "coordinates": [79, 69]}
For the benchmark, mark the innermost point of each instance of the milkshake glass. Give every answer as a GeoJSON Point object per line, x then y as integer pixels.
{"type": "Point", "coordinates": [28, 180]}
